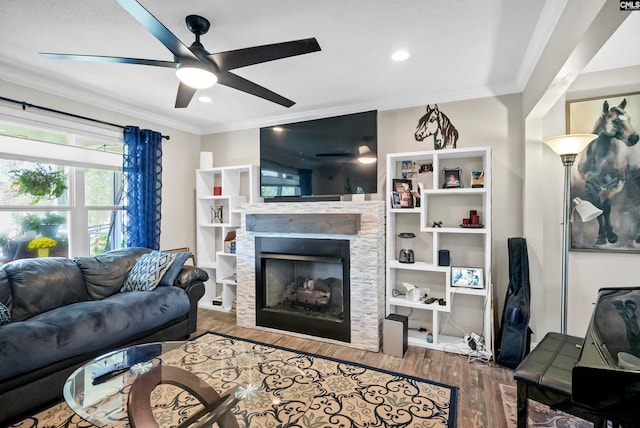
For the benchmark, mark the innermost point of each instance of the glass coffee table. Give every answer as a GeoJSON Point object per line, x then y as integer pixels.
{"type": "Point", "coordinates": [180, 383]}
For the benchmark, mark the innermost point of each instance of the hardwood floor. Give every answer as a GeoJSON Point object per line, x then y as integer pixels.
{"type": "Point", "coordinates": [479, 403]}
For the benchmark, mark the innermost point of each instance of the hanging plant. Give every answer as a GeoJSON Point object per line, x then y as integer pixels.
{"type": "Point", "coordinates": [39, 182]}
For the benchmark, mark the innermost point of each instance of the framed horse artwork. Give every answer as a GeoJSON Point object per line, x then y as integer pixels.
{"type": "Point", "coordinates": [607, 172]}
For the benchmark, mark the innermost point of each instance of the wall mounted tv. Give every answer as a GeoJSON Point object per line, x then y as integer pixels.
{"type": "Point", "coordinates": [320, 158]}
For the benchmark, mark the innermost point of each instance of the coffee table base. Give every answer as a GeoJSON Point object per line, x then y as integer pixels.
{"type": "Point", "coordinates": [216, 407]}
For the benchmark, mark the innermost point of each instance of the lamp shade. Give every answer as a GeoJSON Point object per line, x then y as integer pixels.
{"type": "Point", "coordinates": [365, 155]}
{"type": "Point", "coordinates": [586, 209]}
{"type": "Point", "coordinates": [570, 144]}
{"type": "Point", "coordinates": [195, 77]}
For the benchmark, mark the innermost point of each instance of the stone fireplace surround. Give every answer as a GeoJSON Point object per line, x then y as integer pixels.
{"type": "Point", "coordinates": [367, 254]}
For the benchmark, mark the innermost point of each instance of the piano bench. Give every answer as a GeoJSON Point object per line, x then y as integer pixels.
{"type": "Point", "coordinates": [545, 376]}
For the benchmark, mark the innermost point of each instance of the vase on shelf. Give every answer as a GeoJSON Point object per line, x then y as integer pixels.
{"type": "Point", "coordinates": [43, 252]}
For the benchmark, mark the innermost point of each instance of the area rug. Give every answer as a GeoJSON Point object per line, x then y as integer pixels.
{"type": "Point", "coordinates": [540, 416]}
{"type": "Point", "coordinates": [323, 392]}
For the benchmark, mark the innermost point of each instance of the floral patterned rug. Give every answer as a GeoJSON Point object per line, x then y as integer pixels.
{"type": "Point", "coordinates": [540, 416]}
{"type": "Point", "coordinates": [323, 392]}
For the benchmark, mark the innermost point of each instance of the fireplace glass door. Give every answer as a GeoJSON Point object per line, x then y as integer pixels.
{"type": "Point", "coordinates": [303, 286]}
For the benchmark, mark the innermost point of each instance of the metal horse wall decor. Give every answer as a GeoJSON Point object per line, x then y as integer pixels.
{"type": "Point", "coordinates": [437, 124]}
{"type": "Point", "coordinates": [608, 175]}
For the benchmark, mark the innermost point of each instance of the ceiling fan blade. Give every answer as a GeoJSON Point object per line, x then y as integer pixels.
{"type": "Point", "coordinates": [257, 54]}
{"type": "Point", "coordinates": [240, 83]}
{"type": "Point", "coordinates": [99, 58]}
{"type": "Point", "coordinates": [155, 27]}
{"type": "Point", "coordinates": [185, 93]}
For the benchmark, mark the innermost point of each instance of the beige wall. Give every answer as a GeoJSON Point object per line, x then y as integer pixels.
{"type": "Point", "coordinates": [180, 159]}
{"type": "Point", "coordinates": [494, 122]}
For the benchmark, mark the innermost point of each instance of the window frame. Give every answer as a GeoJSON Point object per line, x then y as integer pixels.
{"type": "Point", "coordinates": [74, 156]}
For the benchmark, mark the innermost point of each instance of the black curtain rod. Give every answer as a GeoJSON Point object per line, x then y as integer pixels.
{"type": "Point", "coordinates": [25, 104]}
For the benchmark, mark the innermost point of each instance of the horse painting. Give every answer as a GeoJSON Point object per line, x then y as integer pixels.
{"type": "Point", "coordinates": [608, 175]}
{"type": "Point", "coordinates": [437, 124]}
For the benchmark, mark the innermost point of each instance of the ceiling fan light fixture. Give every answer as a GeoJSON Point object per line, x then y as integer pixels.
{"type": "Point", "coordinates": [195, 77]}
{"type": "Point", "coordinates": [400, 55]}
{"type": "Point", "coordinates": [365, 155]}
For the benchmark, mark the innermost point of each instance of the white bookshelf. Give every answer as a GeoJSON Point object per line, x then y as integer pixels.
{"type": "Point", "coordinates": [469, 247]}
{"type": "Point", "coordinates": [239, 184]}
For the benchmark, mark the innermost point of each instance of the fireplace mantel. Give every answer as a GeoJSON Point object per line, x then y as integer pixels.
{"type": "Point", "coordinates": [329, 223]}
{"type": "Point", "coordinates": [362, 223]}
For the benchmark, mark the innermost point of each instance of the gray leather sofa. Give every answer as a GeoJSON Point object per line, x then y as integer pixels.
{"type": "Point", "coordinates": [65, 312]}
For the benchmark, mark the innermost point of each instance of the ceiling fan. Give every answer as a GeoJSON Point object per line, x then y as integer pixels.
{"type": "Point", "coordinates": [195, 66]}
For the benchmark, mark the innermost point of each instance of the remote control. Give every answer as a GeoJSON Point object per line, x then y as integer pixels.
{"type": "Point", "coordinates": [430, 300]}
{"type": "Point", "coordinates": [104, 373]}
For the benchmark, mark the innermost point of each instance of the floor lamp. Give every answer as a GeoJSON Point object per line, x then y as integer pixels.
{"type": "Point", "coordinates": [568, 147]}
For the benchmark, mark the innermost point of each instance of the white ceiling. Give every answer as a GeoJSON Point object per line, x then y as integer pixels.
{"type": "Point", "coordinates": [459, 50]}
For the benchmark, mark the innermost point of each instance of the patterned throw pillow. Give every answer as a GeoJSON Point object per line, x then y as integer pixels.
{"type": "Point", "coordinates": [176, 267]}
{"type": "Point", "coordinates": [148, 271]}
{"type": "Point", "coordinates": [5, 315]}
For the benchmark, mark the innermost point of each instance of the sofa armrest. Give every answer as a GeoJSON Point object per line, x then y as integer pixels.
{"type": "Point", "coordinates": [191, 279]}
{"type": "Point", "coordinates": [190, 274]}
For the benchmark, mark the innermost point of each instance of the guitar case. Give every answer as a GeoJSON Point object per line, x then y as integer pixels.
{"type": "Point", "coordinates": [514, 336]}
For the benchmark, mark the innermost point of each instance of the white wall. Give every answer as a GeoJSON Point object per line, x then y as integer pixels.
{"type": "Point", "coordinates": [180, 160]}
{"type": "Point", "coordinates": [495, 122]}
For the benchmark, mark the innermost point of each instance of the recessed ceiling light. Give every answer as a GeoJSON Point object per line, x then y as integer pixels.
{"type": "Point", "coordinates": [205, 99]}
{"type": "Point", "coordinates": [277, 129]}
{"type": "Point", "coordinates": [400, 56]}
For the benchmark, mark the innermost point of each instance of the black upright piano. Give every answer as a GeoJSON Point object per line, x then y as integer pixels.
{"type": "Point", "coordinates": [606, 377]}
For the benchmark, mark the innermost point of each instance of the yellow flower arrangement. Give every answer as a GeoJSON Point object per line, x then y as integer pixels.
{"type": "Point", "coordinates": [42, 242]}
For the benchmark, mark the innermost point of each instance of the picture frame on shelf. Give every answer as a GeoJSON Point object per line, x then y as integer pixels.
{"type": "Point", "coordinates": [477, 179]}
{"type": "Point", "coordinates": [425, 167]}
{"type": "Point", "coordinates": [468, 277]}
{"type": "Point", "coordinates": [408, 169]}
{"type": "Point", "coordinates": [452, 178]}
{"type": "Point", "coordinates": [407, 166]}
{"type": "Point", "coordinates": [404, 187]}
{"type": "Point", "coordinates": [395, 199]}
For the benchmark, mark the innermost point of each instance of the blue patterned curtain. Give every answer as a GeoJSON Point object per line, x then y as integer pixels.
{"type": "Point", "coordinates": [142, 168]}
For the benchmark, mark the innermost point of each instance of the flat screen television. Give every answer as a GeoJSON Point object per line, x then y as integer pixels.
{"type": "Point", "coordinates": [321, 158]}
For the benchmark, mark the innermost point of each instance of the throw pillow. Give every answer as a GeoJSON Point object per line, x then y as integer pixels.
{"type": "Point", "coordinates": [176, 267]}
{"type": "Point", "coordinates": [148, 271]}
{"type": "Point", "coordinates": [5, 315]}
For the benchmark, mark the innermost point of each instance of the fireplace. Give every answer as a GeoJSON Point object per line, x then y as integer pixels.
{"type": "Point", "coordinates": [358, 227]}
{"type": "Point", "coordinates": [303, 286]}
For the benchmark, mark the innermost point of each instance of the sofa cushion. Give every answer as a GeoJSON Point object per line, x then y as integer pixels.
{"type": "Point", "coordinates": [5, 315]}
{"type": "Point", "coordinates": [176, 267]}
{"type": "Point", "coordinates": [104, 274]}
{"type": "Point", "coordinates": [39, 285]}
{"type": "Point", "coordinates": [5, 289]}
{"type": "Point", "coordinates": [85, 327]}
{"type": "Point", "coordinates": [148, 271]}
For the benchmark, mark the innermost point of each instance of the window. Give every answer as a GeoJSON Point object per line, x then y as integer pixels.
{"type": "Point", "coordinates": [83, 215]}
